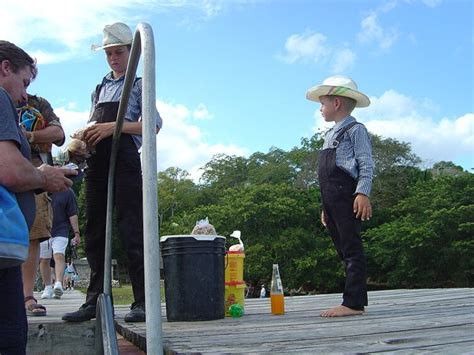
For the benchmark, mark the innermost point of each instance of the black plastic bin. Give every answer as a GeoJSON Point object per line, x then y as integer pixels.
{"type": "Point", "coordinates": [194, 276]}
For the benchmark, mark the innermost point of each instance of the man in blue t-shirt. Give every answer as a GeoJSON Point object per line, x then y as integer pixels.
{"type": "Point", "coordinates": [65, 218]}
{"type": "Point", "coordinates": [17, 70]}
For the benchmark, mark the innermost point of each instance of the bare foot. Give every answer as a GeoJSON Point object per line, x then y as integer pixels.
{"type": "Point", "coordinates": [340, 311]}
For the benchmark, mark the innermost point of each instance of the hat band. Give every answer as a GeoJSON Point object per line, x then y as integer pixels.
{"type": "Point", "coordinates": [338, 90]}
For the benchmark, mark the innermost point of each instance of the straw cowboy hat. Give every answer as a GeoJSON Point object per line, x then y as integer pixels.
{"type": "Point", "coordinates": [116, 34]}
{"type": "Point", "coordinates": [338, 85]}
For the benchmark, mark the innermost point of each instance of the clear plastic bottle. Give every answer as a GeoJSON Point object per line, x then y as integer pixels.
{"type": "Point", "coordinates": [277, 296]}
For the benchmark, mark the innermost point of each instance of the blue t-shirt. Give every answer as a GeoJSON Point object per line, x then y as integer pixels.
{"type": "Point", "coordinates": [10, 131]}
{"type": "Point", "coordinates": [64, 206]}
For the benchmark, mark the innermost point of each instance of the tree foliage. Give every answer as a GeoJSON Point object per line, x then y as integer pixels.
{"type": "Point", "coordinates": [429, 240]}
{"type": "Point", "coordinates": [420, 234]}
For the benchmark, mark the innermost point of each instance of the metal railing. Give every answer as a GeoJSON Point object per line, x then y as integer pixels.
{"type": "Point", "coordinates": [106, 340]}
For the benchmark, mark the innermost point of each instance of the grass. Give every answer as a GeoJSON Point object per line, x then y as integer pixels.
{"type": "Point", "coordinates": [123, 295]}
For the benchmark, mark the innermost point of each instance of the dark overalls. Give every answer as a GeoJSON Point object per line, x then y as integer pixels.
{"type": "Point", "coordinates": [337, 194]}
{"type": "Point", "coordinates": [127, 203]}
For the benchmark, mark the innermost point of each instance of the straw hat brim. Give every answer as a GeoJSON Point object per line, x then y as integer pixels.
{"type": "Point", "coordinates": [97, 47]}
{"type": "Point", "coordinates": [316, 92]}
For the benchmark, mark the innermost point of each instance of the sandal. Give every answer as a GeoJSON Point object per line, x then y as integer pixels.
{"type": "Point", "coordinates": [34, 309]}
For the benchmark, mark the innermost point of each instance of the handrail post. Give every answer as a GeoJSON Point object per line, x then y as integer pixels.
{"type": "Point", "coordinates": [150, 198]}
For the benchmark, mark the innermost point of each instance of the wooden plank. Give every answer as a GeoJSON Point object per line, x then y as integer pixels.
{"type": "Point", "coordinates": [397, 320]}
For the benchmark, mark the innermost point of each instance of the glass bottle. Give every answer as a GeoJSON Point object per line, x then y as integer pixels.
{"type": "Point", "coordinates": [277, 297]}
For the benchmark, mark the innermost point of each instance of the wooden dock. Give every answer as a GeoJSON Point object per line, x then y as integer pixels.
{"type": "Point", "coordinates": [408, 321]}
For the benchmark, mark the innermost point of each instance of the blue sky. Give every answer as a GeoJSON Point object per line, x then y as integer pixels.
{"type": "Point", "coordinates": [232, 75]}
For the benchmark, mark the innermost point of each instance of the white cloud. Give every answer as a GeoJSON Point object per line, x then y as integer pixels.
{"type": "Point", "coordinates": [179, 144]}
{"type": "Point", "coordinates": [305, 46]}
{"type": "Point", "coordinates": [201, 113]}
{"type": "Point", "coordinates": [372, 31]}
{"type": "Point", "coordinates": [212, 7]}
{"type": "Point", "coordinates": [343, 61]}
{"type": "Point", "coordinates": [313, 47]}
{"type": "Point", "coordinates": [71, 120]}
{"type": "Point", "coordinates": [432, 138]}
{"type": "Point", "coordinates": [431, 3]}
{"type": "Point", "coordinates": [183, 144]}
{"type": "Point", "coordinates": [70, 26]}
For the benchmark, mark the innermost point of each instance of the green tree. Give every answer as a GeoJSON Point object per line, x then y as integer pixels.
{"type": "Point", "coordinates": [428, 242]}
{"type": "Point", "coordinates": [444, 168]}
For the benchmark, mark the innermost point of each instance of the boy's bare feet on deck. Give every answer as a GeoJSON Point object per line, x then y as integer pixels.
{"type": "Point", "coordinates": [340, 311]}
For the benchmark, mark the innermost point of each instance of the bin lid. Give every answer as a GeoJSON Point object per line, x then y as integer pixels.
{"type": "Point", "coordinates": [198, 237]}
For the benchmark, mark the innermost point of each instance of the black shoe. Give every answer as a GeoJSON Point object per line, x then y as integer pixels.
{"type": "Point", "coordinates": [137, 313]}
{"type": "Point", "coordinates": [86, 312]}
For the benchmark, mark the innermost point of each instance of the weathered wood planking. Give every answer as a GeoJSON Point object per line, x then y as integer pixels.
{"type": "Point", "coordinates": [428, 320]}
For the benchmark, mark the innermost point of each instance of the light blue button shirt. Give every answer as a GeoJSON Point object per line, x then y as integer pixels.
{"type": "Point", "coordinates": [112, 90]}
{"type": "Point", "coordinates": [354, 153]}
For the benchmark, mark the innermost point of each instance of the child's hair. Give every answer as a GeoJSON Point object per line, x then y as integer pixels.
{"type": "Point", "coordinates": [348, 103]}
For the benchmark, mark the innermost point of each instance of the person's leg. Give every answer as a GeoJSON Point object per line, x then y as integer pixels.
{"type": "Point", "coordinates": [40, 230]}
{"type": "Point", "coordinates": [13, 325]}
{"type": "Point", "coordinates": [29, 268]}
{"type": "Point", "coordinates": [344, 229]}
{"type": "Point", "coordinates": [129, 207]}
{"type": "Point", "coordinates": [59, 245]}
{"type": "Point", "coordinates": [52, 268]}
{"type": "Point", "coordinates": [343, 309]}
{"type": "Point", "coordinates": [96, 206]}
{"type": "Point", "coordinates": [129, 212]}
{"type": "Point", "coordinates": [59, 274]}
{"type": "Point", "coordinates": [45, 269]}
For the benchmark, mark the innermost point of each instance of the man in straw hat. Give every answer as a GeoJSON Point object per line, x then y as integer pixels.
{"type": "Point", "coordinates": [128, 175]}
{"type": "Point", "coordinates": [345, 176]}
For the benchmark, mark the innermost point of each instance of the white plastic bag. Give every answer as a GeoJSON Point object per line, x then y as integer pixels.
{"type": "Point", "coordinates": [203, 227]}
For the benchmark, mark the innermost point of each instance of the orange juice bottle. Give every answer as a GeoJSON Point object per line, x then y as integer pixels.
{"type": "Point", "coordinates": [277, 297]}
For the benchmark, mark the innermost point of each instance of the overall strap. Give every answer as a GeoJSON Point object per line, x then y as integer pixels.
{"type": "Point", "coordinates": [337, 140]}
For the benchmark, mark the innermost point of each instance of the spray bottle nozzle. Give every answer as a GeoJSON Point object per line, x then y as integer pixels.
{"type": "Point", "coordinates": [236, 234]}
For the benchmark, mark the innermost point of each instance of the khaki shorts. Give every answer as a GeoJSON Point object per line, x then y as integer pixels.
{"type": "Point", "coordinates": [43, 223]}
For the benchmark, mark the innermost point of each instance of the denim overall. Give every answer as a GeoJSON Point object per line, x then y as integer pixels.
{"type": "Point", "coordinates": [337, 194]}
{"type": "Point", "coordinates": [127, 202]}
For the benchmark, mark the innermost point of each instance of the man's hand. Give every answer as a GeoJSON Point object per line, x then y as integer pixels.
{"type": "Point", "coordinates": [55, 178]}
{"type": "Point", "coordinates": [362, 207]}
{"type": "Point", "coordinates": [76, 240]}
{"type": "Point", "coordinates": [97, 132]}
{"type": "Point", "coordinates": [323, 219]}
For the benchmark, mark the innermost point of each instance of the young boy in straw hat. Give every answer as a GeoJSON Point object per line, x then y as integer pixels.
{"type": "Point", "coordinates": [128, 175]}
{"type": "Point", "coordinates": [345, 176]}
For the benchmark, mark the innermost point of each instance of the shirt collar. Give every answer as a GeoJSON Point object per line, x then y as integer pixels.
{"type": "Point", "coordinates": [109, 77]}
{"type": "Point", "coordinates": [343, 123]}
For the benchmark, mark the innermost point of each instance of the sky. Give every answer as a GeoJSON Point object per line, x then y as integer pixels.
{"type": "Point", "coordinates": [231, 75]}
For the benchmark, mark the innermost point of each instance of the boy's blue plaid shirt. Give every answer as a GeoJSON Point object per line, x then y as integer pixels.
{"type": "Point", "coordinates": [354, 153]}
